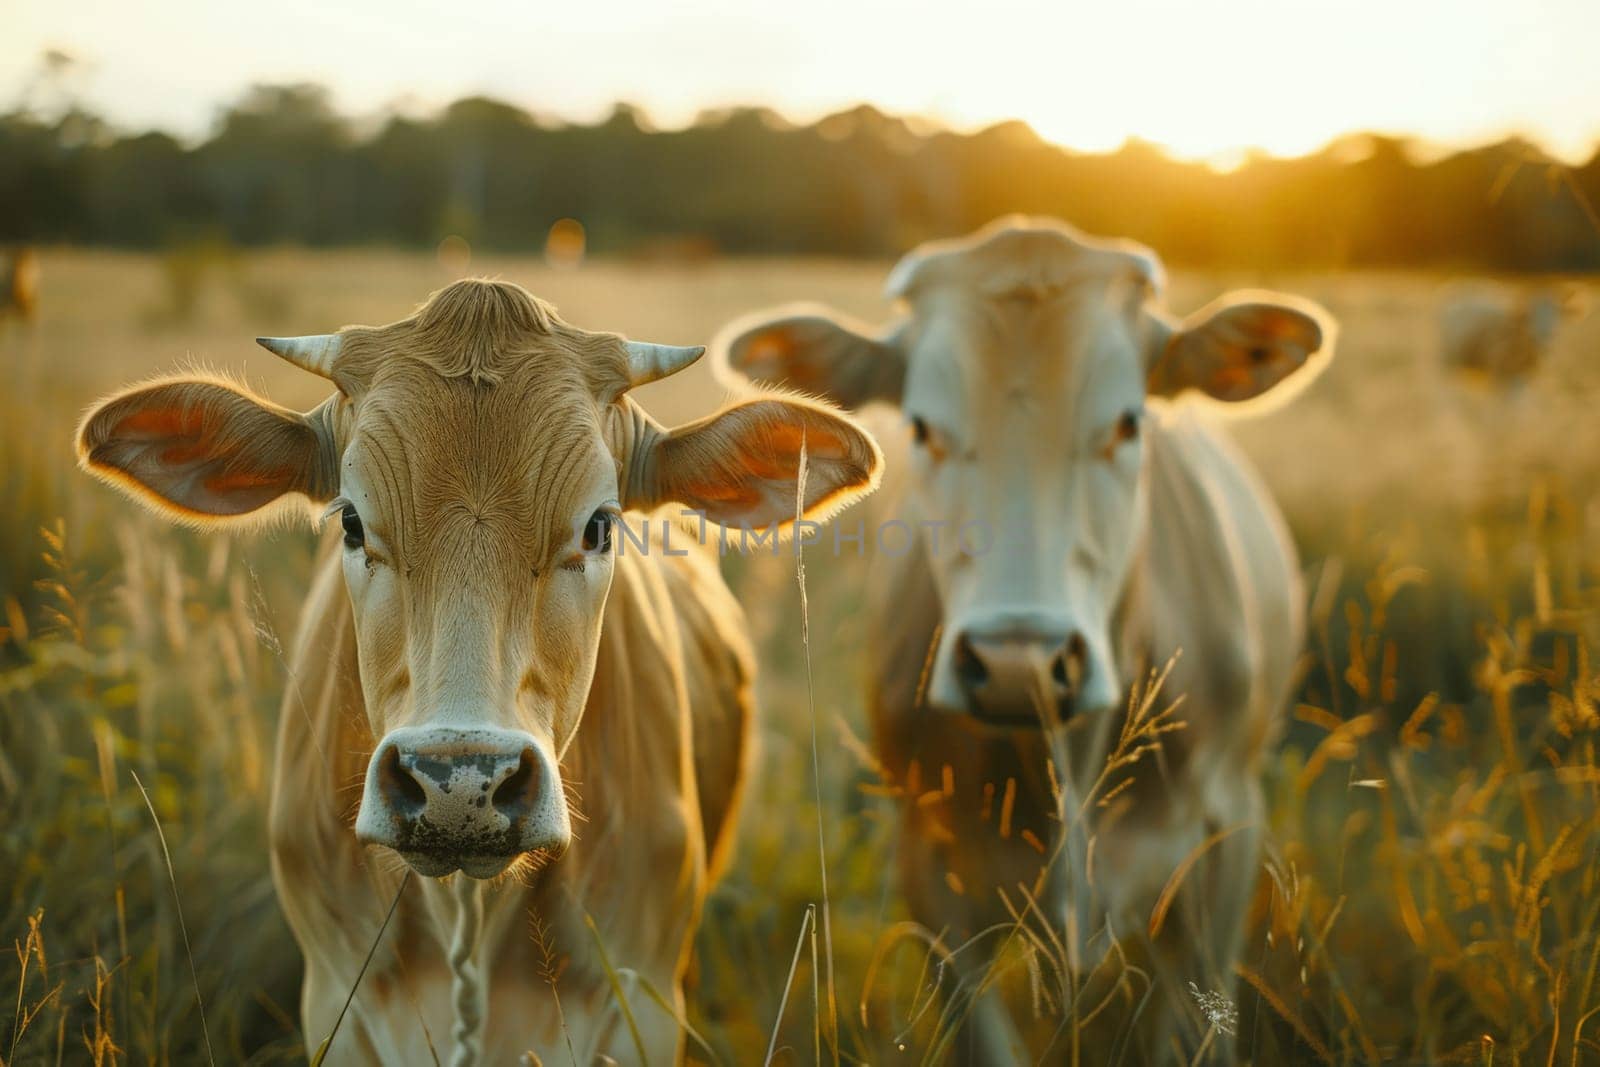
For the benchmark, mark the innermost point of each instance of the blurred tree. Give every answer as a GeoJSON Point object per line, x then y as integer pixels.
{"type": "Point", "coordinates": [283, 166]}
{"type": "Point", "coordinates": [279, 169]}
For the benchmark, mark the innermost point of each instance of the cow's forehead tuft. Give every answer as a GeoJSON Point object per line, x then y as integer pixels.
{"type": "Point", "coordinates": [488, 332]}
{"type": "Point", "coordinates": [1022, 256]}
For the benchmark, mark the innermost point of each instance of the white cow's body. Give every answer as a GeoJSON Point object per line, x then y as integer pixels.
{"type": "Point", "coordinates": [1502, 338]}
{"type": "Point", "coordinates": [1217, 586]}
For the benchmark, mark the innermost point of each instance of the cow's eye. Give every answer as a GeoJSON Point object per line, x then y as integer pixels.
{"type": "Point", "coordinates": [1128, 426]}
{"type": "Point", "coordinates": [597, 532]}
{"type": "Point", "coordinates": [919, 430]}
{"type": "Point", "coordinates": [355, 536]}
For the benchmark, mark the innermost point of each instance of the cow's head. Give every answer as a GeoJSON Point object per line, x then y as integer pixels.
{"type": "Point", "coordinates": [477, 457]}
{"type": "Point", "coordinates": [1023, 369]}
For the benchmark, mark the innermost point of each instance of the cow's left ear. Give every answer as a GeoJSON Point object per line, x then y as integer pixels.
{"type": "Point", "coordinates": [1241, 347]}
{"type": "Point", "coordinates": [742, 467]}
{"type": "Point", "coordinates": [816, 351]}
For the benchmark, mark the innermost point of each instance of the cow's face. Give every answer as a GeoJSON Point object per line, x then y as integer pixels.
{"type": "Point", "coordinates": [478, 547]}
{"type": "Point", "coordinates": [1025, 411]}
{"type": "Point", "coordinates": [1023, 371]}
{"type": "Point", "coordinates": [477, 459]}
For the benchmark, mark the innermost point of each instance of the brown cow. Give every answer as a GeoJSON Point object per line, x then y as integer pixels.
{"type": "Point", "coordinates": [19, 285]}
{"type": "Point", "coordinates": [1080, 524]}
{"type": "Point", "coordinates": [562, 720]}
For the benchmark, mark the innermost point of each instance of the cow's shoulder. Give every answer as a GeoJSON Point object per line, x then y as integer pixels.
{"type": "Point", "coordinates": [1221, 569]}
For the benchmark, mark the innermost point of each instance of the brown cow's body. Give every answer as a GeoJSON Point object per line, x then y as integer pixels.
{"type": "Point", "coordinates": [667, 724]}
{"type": "Point", "coordinates": [539, 717]}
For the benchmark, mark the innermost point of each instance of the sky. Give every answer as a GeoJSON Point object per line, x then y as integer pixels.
{"type": "Point", "coordinates": [1204, 78]}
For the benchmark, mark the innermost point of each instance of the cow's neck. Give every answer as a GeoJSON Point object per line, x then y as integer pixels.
{"type": "Point", "coordinates": [621, 742]}
{"type": "Point", "coordinates": [910, 598]}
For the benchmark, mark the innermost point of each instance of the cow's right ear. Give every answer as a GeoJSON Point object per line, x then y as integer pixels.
{"type": "Point", "coordinates": [1245, 346]}
{"type": "Point", "coordinates": [202, 451]}
{"type": "Point", "coordinates": [810, 349]}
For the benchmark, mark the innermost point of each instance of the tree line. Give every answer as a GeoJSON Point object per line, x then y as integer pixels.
{"type": "Point", "coordinates": [283, 166]}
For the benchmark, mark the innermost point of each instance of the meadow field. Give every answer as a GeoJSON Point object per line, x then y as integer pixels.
{"type": "Point", "coordinates": [1431, 891]}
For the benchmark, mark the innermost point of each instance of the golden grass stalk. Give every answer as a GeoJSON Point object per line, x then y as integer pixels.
{"type": "Point", "coordinates": [183, 926]}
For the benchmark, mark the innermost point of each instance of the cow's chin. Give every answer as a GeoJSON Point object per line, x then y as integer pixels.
{"type": "Point", "coordinates": [439, 865]}
{"type": "Point", "coordinates": [1021, 718]}
{"type": "Point", "coordinates": [484, 867]}
{"type": "Point", "coordinates": [1006, 720]}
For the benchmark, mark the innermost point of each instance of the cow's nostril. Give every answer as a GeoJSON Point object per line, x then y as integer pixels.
{"type": "Point", "coordinates": [969, 665]}
{"type": "Point", "coordinates": [404, 793]}
{"type": "Point", "coordinates": [1070, 663]}
{"type": "Point", "coordinates": [515, 795]}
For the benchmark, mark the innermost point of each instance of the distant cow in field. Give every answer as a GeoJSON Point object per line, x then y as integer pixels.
{"type": "Point", "coordinates": [1082, 523]}
{"type": "Point", "coordinates": [1502, 338]}
{"type": "Point", "coordinates": [483, 683]}
{"type": "Point", "coordinates": [19, 284]}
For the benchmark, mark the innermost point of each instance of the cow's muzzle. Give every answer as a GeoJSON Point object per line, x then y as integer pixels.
{"type": "Point", "coordinates": [451, 799]}
{"type": "Point", "coordinates": [1015, 673]}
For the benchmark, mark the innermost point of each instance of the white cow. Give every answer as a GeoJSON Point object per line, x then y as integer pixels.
{"type": "Point", "coordinates": [1082, 522]}
{"type": "Point", "coordinates": [1502, 338]}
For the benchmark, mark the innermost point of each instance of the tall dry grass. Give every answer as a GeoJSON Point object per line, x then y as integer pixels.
{"type": "Point", "coordinates": [1430, 887]}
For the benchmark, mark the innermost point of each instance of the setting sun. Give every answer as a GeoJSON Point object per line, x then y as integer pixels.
{"type": "Point", "coordinates": [1205, 80]}
{"type": "Point", "coordinates": [1213, 80]}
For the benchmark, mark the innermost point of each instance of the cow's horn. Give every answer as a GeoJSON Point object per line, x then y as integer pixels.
{"type": "Point", "coordinates": [315, 352]}
{"type": "Point", "coordinates": [648, 362]}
